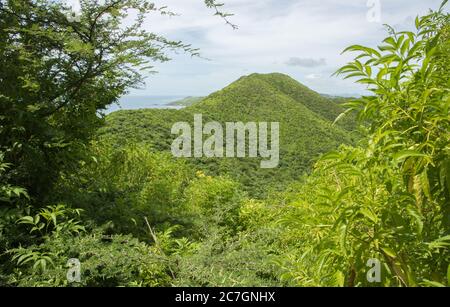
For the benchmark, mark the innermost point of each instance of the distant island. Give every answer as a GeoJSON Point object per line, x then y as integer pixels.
{"type": "Point", "coordinates": [186, 102]}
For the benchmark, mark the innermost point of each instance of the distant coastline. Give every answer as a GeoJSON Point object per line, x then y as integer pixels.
{"type": "Point", "coordinates": [145, 102]}
{"type": "Point", "coordinates": [175, 102]}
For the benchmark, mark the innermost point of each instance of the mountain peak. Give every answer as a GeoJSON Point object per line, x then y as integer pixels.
{"type": "Point", "coordinates": [251, 90]}
{"type": "Point", "coordinates": [265, 76]}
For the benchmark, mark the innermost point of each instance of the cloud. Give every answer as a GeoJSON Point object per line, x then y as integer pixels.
{"type": "Point", "coordinates": [306, 62]}
{"type": "Point", "coordinates": [302, 38]}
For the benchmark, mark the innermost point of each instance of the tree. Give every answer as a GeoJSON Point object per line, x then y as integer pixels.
{"type": "Point", "coordinates": [58, 73]}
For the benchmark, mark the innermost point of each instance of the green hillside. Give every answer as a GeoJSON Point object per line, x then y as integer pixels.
{"type": "Point", "coordinates": [94, 201]}
{"type": "Point", "coordinates": [305, 118]}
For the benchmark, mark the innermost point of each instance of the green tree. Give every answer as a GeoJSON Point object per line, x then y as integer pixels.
{"type": "Point", "coordinates": [58, 73]}
{"type": "Point", "coordinates": [389, 198]}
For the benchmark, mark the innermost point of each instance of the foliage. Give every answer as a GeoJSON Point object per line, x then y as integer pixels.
{"type": "Point", "coordinates": [305, 132]}
{"type": "Point", "coordinates": [58, 73]}
{"type": "Point", "coordinates": [117, 260]}
{"type": "Point", "coordinates": [9, 193]}
{"type": "Point", "coordinates": [135, 216]}
{"type": "Point", "coordinates": [388, 198]}
{"type": "Point", "coordinates": [54, 220]}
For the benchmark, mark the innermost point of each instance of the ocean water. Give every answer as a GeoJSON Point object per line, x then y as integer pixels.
{"type": "Point", "coordinates": [144, 102]}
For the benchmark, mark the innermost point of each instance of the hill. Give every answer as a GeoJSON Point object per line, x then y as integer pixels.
{"type": "Point", "coordinates": [305, 118]}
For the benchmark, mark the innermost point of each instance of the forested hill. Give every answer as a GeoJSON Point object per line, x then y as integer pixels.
{"type": "Point", "coordinates": [305, 117]}
{"type": "Point", "coordinates": [299, 92]}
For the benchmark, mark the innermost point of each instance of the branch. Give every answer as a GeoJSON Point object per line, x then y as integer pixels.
{"type": "Point", "coordinates": [214, 5]}
{"type": "Point", "coordinates": [100, 14]}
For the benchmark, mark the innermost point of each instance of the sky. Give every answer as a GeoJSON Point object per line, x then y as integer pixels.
{"type": "Point", "coordinates": [301, 38]}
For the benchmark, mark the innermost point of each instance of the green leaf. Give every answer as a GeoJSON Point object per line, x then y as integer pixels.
{"type": "Point", "coordinates": [418, 218]}
{"type": "Point", "coordinates": [341, 116]}
{"type": "Point", "coordinates": [425, 183]}
{"type": "Point", "coordinates": [366, 81]}
{"type": "Point", "coordinates": [367, 212]}
{"type": "Point", "coordinates": [339, 279]}
{"type": "Point", "coordinates": [442, 5]}
{"type": "Point", "coordinates": [405, 46]}
{"type": "Point", "coordinates": [443, 242]}
{"type": "Point", "coordinates": [21, 259]}
{"type": "Point", "coordinates": [334, 155]}
{"type": "Point", "coordinates": [26, 220]}
{"type": "Point", "coordinates": [431, 283]}
{"type": "Point", "coordinates": [390, 41]}
{"type": "Point", "coordinates": [407, 154]}
{"type": "Point", "coordinates": [388, 251]}
{"type": "Point", "coordinates": [26, 258]}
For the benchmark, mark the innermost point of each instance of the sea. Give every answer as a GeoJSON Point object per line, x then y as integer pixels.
{"type": "Point", "coordinates": [144, 102]}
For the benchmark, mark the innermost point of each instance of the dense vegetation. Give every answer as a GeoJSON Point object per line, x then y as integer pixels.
{"type": "Point", "coordinates": [116, 199]}
{"type": "Point", "coordinates": [305, 131]}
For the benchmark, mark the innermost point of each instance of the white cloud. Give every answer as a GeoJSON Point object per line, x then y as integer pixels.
{"type": "Point", "coordinates": [313, 76]}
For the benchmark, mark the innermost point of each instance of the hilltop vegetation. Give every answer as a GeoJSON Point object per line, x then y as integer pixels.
{"type": "Point", "coordinates": [305, 117]}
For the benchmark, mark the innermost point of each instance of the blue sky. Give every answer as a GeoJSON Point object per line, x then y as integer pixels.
{"type": "Point", "coordinates": [302, 38]}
